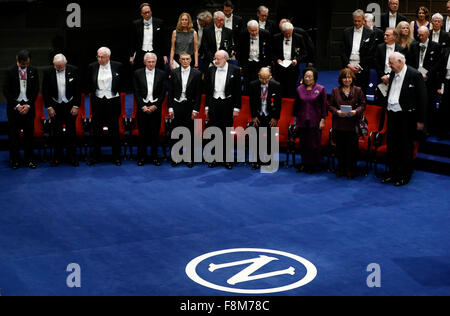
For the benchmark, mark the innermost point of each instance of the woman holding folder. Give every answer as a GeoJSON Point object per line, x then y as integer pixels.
{"type": "Point", "coordinates": [347, 104]}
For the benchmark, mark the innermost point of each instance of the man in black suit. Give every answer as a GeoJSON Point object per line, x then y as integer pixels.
{"type": "Point", "coordinates": [425, 56]}
{"type": "Point", "coordinates": [203, 20]}
{"type": "Point", "coordinates": [369, 22]}
{"type": "Point", "coordinates": [232, 21]}
{"type": "Point", "coordinates": [288, 47]}
{"type": "Point", "coordinates": [265, 105]}
{"type": "Point", "coordinates": [148, 36]}
{"type": "Point", "coordinates": [223, 97]}
{"type": "Point", "coordinates": [185, 94]}
{"type": "Point", "coordinates": [357, 54]}
{"type": "Point", "coordinates": [407, 100]}
{"type": "Point", "coordinates": [444, 91]}
{"type": "Point", "coordinates": [216, 37]}
{"type": "Point", "coordinates": [392, 18]}
{"type": "Point", "coordinates": [105, 83]}
{"type": "Point", "coordinates": [21, 88]}
{"type": "Point", "coordinates": [438, 34]}
{"type": "Point", "coordinates": [310, 47]}
{"type": "Point", "coordinates": [447, 18]}
{"type": "Point", "coordinates": [62, 97]}
{"type": "Point", "coordinates": [263, 20]}
{"type": "Point", "coordinates": [254, 52]}
{"type": "Point", "coordinates": [149, 93]}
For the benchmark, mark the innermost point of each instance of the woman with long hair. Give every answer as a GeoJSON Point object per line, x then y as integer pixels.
{"type": "Point", "coordinates": [184, 39]}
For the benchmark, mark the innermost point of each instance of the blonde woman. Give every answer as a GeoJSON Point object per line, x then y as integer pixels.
{"type": "Point", "coordinates": [184, 39]}
{"type": "Point", "coordinates": [405, 38]}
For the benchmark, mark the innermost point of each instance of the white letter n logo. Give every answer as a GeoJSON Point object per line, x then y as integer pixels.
{"type": "Point", "coordinates": [246, 274]}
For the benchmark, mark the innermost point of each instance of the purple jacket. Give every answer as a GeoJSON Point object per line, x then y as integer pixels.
{"type": "Point", "coordinates": [310, 105]}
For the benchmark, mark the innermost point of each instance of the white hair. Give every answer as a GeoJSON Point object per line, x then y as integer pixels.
{"type": "Point", "coordinates": [59, 58]}
{"type": "Point", "coordinates": [224, 53]}
{"type": "Point", "coordinates": [437, 16]}
{"type": "Point", "coordinates": [263, 9]}
{"type": "Point", "coordinates": [252, 23]}
{"type": "Point", "coordinates": [150, 55]}
{"type": "Point", "coordinates": [218, 14]}
{"type": "Point", "coordinates": [398, 57]}
{"type": "Point", "coordinates": [105, 50]}
{"type": "Point", "coordinates": [358, 14]}
{"type": "Point", "coordinates": [287, 26]}
{"type": "Point", "coordinates": [425, 29]}
{"type": "Point", "coordinates": [370, 16]}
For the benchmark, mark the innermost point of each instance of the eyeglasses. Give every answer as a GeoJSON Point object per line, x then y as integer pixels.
{"type": "Point", "coordinates": [102, 57]}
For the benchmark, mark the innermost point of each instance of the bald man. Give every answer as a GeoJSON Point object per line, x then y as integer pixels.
{"type": "Point", "coordinates": [265, 103]}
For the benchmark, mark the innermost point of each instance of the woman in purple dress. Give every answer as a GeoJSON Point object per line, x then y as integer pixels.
{"type": "Point", "coordinates": [310, 111]}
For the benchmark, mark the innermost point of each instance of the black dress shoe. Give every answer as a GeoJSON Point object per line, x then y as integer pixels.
{"type": "Point", "coordinates": [156, 163]}
{"type": "Point", "coordinates": [256, 166]}
{"type": "Point", "coordinates": [141, 162]}
{"type": "Point", "coordinates": [212, 165]}
{"type": "Point", "coordinates": [175, 164]}
{"type": "Point", "coordinates": [228, 166]}
{"type": "Point", "coordinates": [92, 162]}
{"type": "Point", "coordinates": [388, 180]}
{"type": "Point", "coordinates": [55, 163]}
{"type": "Point", "coordinates": [118, 162]}
{"type": "Point", "coordinates": [32, 165]}
{"type": "Point", "coordinates": [402, 182]}
{"type": "Point", "coordinates": [190, 165]}
{"type": "Point", "coordinates": [15, 165]}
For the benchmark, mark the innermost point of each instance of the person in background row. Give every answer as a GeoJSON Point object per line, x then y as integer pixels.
{"type": "Point", "coordinates": [405, 36]}
{"type": "Point", "coordinates": [345, 122]}
{"type": "Point", "coordinates": [310, 111]}
{"type": "Point", "coordinates": [148, 36]}
{"type": "Point", "coordinates": [310, 47]}
{"type": "Point", "coordinates": [369, 22]}
{"type": "Point", "coordinates": [232, 21]}
{"type": "Point", "coordinates": [407, 103]}
{"type": "Point", "coordinates": [254, 53]}
{"type": "Point", "coordinates": [21, 88]}
{"type": "Point", "coordinates": [185, 93]}
{"type": "Point", "coordinates": [149, 93]}
{"type": "Point", "coordinates": [289, 49]}
{"type": "Point", "coordinates": [444, 92]}
{"type": "Point", "coordinates": [184, 39]}
{"type": "Point", "coordinates": [265, 105]}
{"type": "Point", "coordinates": [358, 49]}
{"type": "Point", "coordinates": [447, 18]}
{"type": "Point", "coordinates": [423, 16]}
{"type": "Point", "coordinates": [392, 18]}
{"type": "Point", "coordinates": [105, 83]}
{"type": "Point", "coordinates": [263, 20]}
{"type": "Point", "coordinates": [438, 34]}
{"type": "Point", "coordinates": [61, 89]}
{"type": "Point", "coordinates": [204, 19]}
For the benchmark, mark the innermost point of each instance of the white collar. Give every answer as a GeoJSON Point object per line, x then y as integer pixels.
{"type": "Point", "coordinates": [106, 67]}
{"type": "Point", "coordinates": [392, 14]}
{"type": "Point", "coordinates": [390, 46]}
{"type": "Point", "coordinates": [358, 30]}
{"type": "Point", "coordinates": [186, 70]}
{"type": "Point", "coordinates": [149, 72]}
{"type": "Point", "coordinates": [224, 68]}
{"type": "Point", "coordinates": [402, 73]}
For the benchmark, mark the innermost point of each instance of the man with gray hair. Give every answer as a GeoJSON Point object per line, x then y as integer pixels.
{"type": "Point", "coordinates": [392, 18]}
{"type": "Point", "coordinates": [62, 97]}
{"type": "Point", "coordinates": [438, 34]}
{"type": "Point", "coordinates": [263, 20]}
{"type": "Point", "coordinates": [369, 22]}
{"type": "Point", "coordinates": [105, 82]}
{"type": "Point", "coordinates": [357, 54]}
{"type": "Point", "coordinates": [204, 19]}
{"type": "Point", "coordinates": [447, 18]}
{"type": "Point", "coordinates": [406, 108]}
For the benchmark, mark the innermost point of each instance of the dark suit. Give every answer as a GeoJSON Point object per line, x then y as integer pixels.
{"type": "Point", "coordinates": [63, 110]}
{"type": "Point", "coordinates": [366, 54]}
{"type": "Point", "coordinates": [16, 121]}
{"type": "Point", "coordinates": [251, 68]}
{"type": "Point", "coordinates": [221, 111]}
{"type": "Point", "coordinates": [160, 42]}
{"type": "Point", "coordinates": [106, 112]}
{"type": "Point", "coordinates": [271, 27]}
{"type": "Point", "coordinates": [209, 45]}
{"type": "Point", "coordinates": [384, 20]}
{"type": "Point", "coordinates": [149, 125]}
{"type": "Point", "coordinates": [379, 36]}
{"type": "Point", "coordinates": [183, 110]}
{"type": "Point", "coordinates": [288, 77]}
{"type": "Point", "coordinates": [431, 63]}
{"type": "Point", "coordinates": [444, 39]}
{"type": "Point", "coordinates": [445, 23]}
{"type": "Point", "coordinates": [237, 26]}
{"type": "Point", "coordinates": [402, 126]}
{"type": "Point", "coordinates": [380, 58]}
{"type": "Point", "coordinates": [444, 106]}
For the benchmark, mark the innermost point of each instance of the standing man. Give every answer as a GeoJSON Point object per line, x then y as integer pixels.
{"type": "Point", "coordinates": [223, 96]}
{"type": "Point", "coordinates": [149, 93]}
{"type": "Point", "coordinates": [392, 18]}
{"type": "Point", "coordinates": [438, 34]}
{"type": "Point", "coordinates": [21, 88]}
{"type": "Point", "coordinates": [265, 105]}
{"type": "Point", "coordinates": [216, 37]}
{"type": "Point", "coordinates": [444, 91]}
{"type": "Point", "coordinates": [447, 18]}
{"type": "Point", "coordinates": [425, 56]}
{"type": "Point", "coordinates": [289, 51]}
{"type": "Point", "coordinates": [62, 96]}
{"type": "Point", "coordinates": [369, 22]}
{"type": "Point", "coordinates": [148, 36]}
{"type": "Point", "coordinates": [263, 20]}
{"type": "Point", "coordinates": [232, 21]}
{"type": "Point", "coordinates": [185, 94]}
{"type": "Point", "coordinates": [358, 50]}
{"type": "Point", "coordinates": [255, 52]}
{"type": "Point", "coordinates": [105, 83]}
{"type": "Point", "coordinates": [407, 100]}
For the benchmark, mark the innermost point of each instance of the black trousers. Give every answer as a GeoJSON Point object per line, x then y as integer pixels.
{"type": "Point", "coordinates": [443, 113]}
{"type": "Point", "coordinates": [250, 72]}
{"type": "Point", "coordinates": [288, 77]}
{"type": "Point", "coordinates": [106, 113]}
{"type": "Point", "coordinates": [347, 150]}
{"type": "Point", "coordinates": [221, 116]}
{"type": "Point", "coordinates": [183, 118]}
{"type": "Point", "coordinates": [432, 111]}
{"type": "Point", "coordinates": [264, 122]}
{"type": "Point", "coordinates": [61, 139]}
{"type": "Point", "coordinates": [17, 123]}
{"type": "Point", "coordinates": [401, 132]}
{"type": "Point", "coordinates": [149, 126]}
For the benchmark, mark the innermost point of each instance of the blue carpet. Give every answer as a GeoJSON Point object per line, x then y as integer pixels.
{"type": "Point", "coordinates": [133, 230]}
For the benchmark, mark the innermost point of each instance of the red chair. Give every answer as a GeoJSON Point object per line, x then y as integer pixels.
{"type": "Point", "coordinates": [327, 145]}
{"type": "Point", "coordinates": [285, 124]}
{"type": "Point", "coordinates": [366, 144]}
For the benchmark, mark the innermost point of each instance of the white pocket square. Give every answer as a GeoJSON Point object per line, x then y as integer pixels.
{"type": "Point", "coordinates": [367, 40]}
{"type": "Point", "coordinates": [71, 79]}
{"type": "Point", "coordinates": [411, 86]}
{"type": "Point", "coordinates": [232, 77]}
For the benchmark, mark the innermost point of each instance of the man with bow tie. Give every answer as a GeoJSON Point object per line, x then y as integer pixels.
{"type": "Point", "coordinates": [425, 56]}
{"type": "Point", "coordinates": [223, 97]}
{"type": "Point", "coordinates": [392, 18]}
{"type": "Point", "coordinates": [447, 19]}
{"type": "Point", "coordinates": [254, 52]}
{"type": "Point", "coordinates": [438, 34]}
{"type": "Point", "coordinates": [265, 105]}
{"type": "Point", "coordinates": [21, 88]}
{"type": "Point", "coordinates": [62, 96]}
{"type": "Point", "coordinates": [148, 36]}
{"type": "Point", "coordinates": [185, 93]}
{"type": "Point", "coordinates": [105, 83]}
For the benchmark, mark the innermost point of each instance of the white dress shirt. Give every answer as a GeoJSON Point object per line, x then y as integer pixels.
{"type": "Point", "coordinates": [447, 24]}
{"type": "Point", "coordinates": [393, 20]}
{"type": "Point", "coordinates": [435, 37]}
{"type": "Point", "coordinates": [61, 82]}
{"type": "Point", "coordinates": [264, 111]}
{"type": "Point", "coordinates": [396, 89]}
{"type": "Point", "coordinates": [355, 58]}
{"type": "Point", "coordinates": [254, 49]}
{"type": "Point", "coordinates": [199, 33]}
{"type": "Point", "coordinates": [150, 75]}
{"type": "Point", "coordinates": [104, 82]}
{"type": "Point", "coordinates": [389, 50]}
{"type": "Point", "coordinates": [218, 33]}
{"type": "Point", "coordinates": [147, 45]}
{"type": "Point", "coordinates": [287, 48]}
{"type": "Point", "coordinates": [23, 86]}
{"type": "Point", "coordinates": [448, 69]}
{"type": "Point", "coordinates": [262, 25]}
{"type": "Point", "coordinates": [422, 55]}
{"type": "Point", "coordinates": [229, 22]}
{"type": "Point", "coordinates": [221, 80]}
